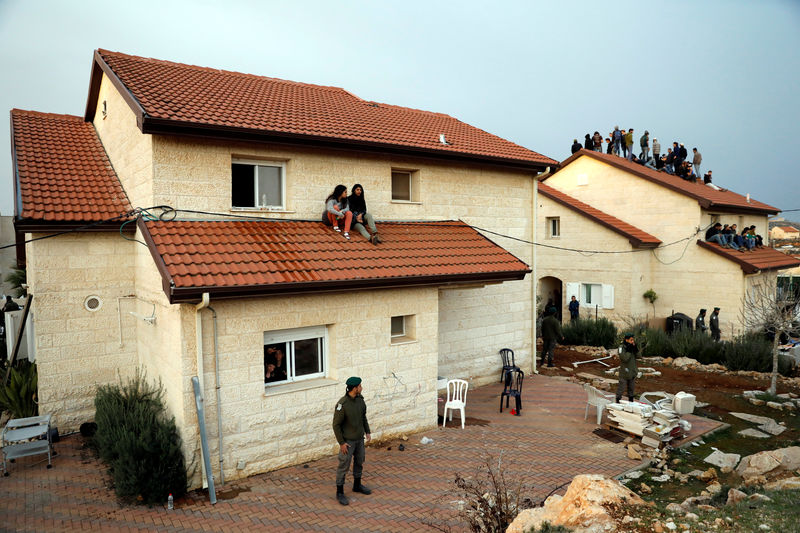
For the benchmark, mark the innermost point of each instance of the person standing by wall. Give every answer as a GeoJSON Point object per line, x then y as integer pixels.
{"type": "Point", "coordinates": [574, 309]}
{"type": "Point", "coordinates": [551, 333]}
{"type": "Point", "coordinates": [627, 367]}
{"type": "Point", "coordinates": [700, 322]}
{"type": "Point", "coordinates": [350, 426]}
{"type": "Point", "coordinates": [713, 322]}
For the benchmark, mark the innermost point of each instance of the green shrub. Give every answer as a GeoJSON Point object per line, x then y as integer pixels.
{"type": "Point", "coordinates": [18, 397]}
{"type": "Point", "coordinates": [139, 442]}
{"type": "Point", "coordinates": [590, 332]}
{"type": "Point", "coordinates": [653, 342]}
{"type": "Point", "coordinates": [753, 352]}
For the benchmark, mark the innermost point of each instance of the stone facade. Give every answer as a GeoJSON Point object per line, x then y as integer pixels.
{"type": "Point", "coordinates": [457, 330]}
{"type": "Point", "coordinates": [685, 277]}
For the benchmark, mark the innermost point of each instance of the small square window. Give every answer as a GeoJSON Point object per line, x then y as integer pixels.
{"type": "Point", "coordinates": [257, 185]}
{"type": "Point", "coordinates": [405, 185]}
{"type": "Point", "coordinates": [403, 328]}
{"type": "Point", "coordinates": [553, 227]}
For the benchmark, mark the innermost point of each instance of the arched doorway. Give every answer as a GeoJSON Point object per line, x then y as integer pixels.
{"type": "Point", "coordinates": [550, 293]}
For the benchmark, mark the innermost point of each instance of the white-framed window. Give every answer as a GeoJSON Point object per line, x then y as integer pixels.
{"type": "Point", "coordinates": [405, 185]}
{"type": "Point", "coordinates": [403, 328]}
{"type": "Point", "coordinates": [295, 355]}
{"type": "Point", "coordinates": [591, 294]}
{"type": "Point", "coordinates": [553, 227]}
{"type": "Point", "coordinates": [258, 184]}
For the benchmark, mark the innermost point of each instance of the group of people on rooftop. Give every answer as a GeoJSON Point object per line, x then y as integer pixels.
{"type": "Point", "coordinates": [728, 236]}
{"type": "Point", "coordinates": [675, 161]}
{"type": "Point", "coordinates": [351, 211]}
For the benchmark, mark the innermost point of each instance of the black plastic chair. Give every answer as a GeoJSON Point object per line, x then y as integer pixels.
{"type": "Point", "coordinates": [513, 388]}
{"type": "Point", "coordinates": [507, 354]}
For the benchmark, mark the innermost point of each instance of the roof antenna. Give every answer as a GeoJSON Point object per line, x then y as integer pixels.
{"type": "Point", "coordinates": [442, 139]}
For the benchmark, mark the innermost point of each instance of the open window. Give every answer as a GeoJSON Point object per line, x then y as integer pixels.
{"type": "Point", "coordinates": [258, 185]}
{"type": "Point", "coordinates": [403, 328]}
{"type": "Point", "coordinates": [592, 294]}
{"type": "Point", "coordinates": [405, 185]}
{"type": "Point", "coordinates": [295, 355]}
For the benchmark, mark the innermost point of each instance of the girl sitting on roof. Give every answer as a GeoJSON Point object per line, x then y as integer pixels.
{"type": "Point", "coordinates": [358, 206]}
{"type": "Point", "coordinates": [336, 209]}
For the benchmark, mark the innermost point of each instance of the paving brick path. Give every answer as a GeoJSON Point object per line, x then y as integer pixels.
{"type": "Point", "coordinates": [548, 445]}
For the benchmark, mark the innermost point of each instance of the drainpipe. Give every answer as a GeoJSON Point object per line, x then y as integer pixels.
{"type": "Point", "coordinates": [219, 400]}
{"type": "Point", "coordinates": [198, 328]}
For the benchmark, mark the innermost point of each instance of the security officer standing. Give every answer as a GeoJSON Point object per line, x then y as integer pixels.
{"type": "Point", "coordinates": [628, 371]}
{"type": "Point", "coordinates": [714, 323]}
{"type": "Point", "coordinates": [700, 322]}
{"type": "Point", "coordinates": [349, 426]}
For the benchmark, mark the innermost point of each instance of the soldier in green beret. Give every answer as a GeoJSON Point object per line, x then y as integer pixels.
{"type": "Point", "coordinates": [350, 425]}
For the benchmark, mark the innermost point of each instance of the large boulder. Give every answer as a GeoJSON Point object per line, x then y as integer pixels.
{"type": "Point", "coordinates": [722, 459]}
{"type": "Point", "coordinates": [762, 463]}
{"type": "Point", "coordinates": [581, 508]}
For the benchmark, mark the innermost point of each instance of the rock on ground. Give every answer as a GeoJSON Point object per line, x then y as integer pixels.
{"type": "Point", "coordinates": [581, 508]}
{"type": "Point", "coordinates": [754, 433]}
{"type": "Point", "coordinates": [784, 484]}
{"type": "Point", "coordinates": [723, 460]}
{"type": "Point", "coordinates": [761, 463]}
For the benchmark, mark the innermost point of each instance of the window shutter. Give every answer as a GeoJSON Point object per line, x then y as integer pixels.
{"type": "Point", "coordinates": [608, 296]}
{"type": "Point", "coordinates": [573, 289]}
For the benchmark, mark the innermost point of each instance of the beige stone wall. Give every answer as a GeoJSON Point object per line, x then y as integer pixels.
{"type": "Point", "coordinates": [195, 174]}
{"type": "Point", "coordinates": [291, 423]}
{"type": "Point", "coordinates": [130, 152]}
{"type": "Point", "coordinates": [685, 277]}
{"type": "Point", "coordinates": [77, 349]}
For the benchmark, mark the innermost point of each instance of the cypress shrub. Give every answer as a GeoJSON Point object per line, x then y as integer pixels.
{"type": "Point", "coordinates": [753, 352]}
{"type": "Point", "coordinates": [590, 332]}
{"type": "Point", "coordinates": [139, 442]}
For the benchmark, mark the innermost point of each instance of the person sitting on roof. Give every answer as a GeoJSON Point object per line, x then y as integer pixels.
{"type": "Point", "coordinates": [336, 209]}
{"type": "Point", "coordinates": [713, 234]}
{"type": "Point", "coordinates": [758, 239]}
{"type": "Point", "coordinates": [576, 145]}
{"type": "Point", "coordinates": [727, 235]}
{"type": "Point", "coordinates": [358, 206]}
{"type": "Point", "coordinates": [670, 161]}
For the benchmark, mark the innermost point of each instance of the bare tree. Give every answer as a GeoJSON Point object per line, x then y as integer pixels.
{"type": "Point", "coordinates": [768, 310]}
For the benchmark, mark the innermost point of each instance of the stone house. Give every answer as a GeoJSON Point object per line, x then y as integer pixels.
{"type": "Point", "coordinates": [784, 233]}
{"type": "Point", "coordinates": [649, 229]}
{"type": "Point", "coordinates": [238, 265]}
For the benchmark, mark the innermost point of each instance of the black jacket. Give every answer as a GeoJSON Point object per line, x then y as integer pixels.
{"type": "Point", "coordinates": [576, 146]}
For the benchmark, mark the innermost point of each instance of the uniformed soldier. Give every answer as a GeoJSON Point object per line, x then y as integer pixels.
{"type": "Point", "coordinates": [627, 367]}
{"type": "Point", "coordinates": [713, 322]}
{"type": "Point", "coordinates": [700, 322]}
{"type": "Point", "coordinates": [350, 425]}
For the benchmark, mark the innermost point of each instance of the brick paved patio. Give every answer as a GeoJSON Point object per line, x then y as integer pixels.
{"type": "Point", "coordinates": [549, 444]}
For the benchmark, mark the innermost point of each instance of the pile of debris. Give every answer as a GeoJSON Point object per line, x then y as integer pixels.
{"type": "Point", "coordinates": [655, 422]}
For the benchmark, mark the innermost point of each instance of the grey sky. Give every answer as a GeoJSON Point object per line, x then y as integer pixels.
{"type": "Point", "coordinates": [719, 75]}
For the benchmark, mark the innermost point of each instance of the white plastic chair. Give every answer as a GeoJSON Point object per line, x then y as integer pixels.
{"type": "Point", "coordinates": [597, 398]}
{"type": "Point", "coordinates": [456, 399]}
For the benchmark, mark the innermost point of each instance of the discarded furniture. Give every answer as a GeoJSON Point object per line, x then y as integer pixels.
{"type": "Point", "coordinates": [597, 398]}
{"type": "Point", "coordinates": [27, 436]}
{"type": "Point", "coordinates": [599, 359]}
{"type": "Point", "coordinates": [456, 399]}
{"type": "Point", "coordinates": [512, 388]}
{"type": "Point", "coordinates": [507, 354]}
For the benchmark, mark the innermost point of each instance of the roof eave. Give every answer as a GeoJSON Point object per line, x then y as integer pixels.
{"type": "Point", "coordinates": [747, 267]}
{"type": "Point", "coordinates": [161, 126]}
{"type": "Point", "coordinates": [100, 67]}
{"type": "Point", "coordinates": [194, 294]}
{"type": "Point", "coordinates": [30, 225]}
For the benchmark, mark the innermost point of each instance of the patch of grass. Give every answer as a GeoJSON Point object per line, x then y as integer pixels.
{"type": "Point", "coordinates": [767, 397]}
{"type": "Point", "coordinates": [547, 527]}
{"type": "Point", "coordinates": [781, 514]}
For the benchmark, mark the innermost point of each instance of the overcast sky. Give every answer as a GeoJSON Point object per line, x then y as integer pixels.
{"type": "Point", "coordinates": [718, 75]}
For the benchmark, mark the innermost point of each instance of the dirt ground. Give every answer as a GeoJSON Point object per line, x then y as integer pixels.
{"type": "Point", "coordinates": [712, 388]}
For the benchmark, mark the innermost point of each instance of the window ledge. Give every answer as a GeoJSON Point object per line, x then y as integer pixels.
{"type": "Point", "coordinates": [260, 210]}
{"type": "Point", "coordinates": [406, 202]}
{"type": "Point", "coordinates": [402, 340]}
{"type": "Point", "coordinates": [276, 390]}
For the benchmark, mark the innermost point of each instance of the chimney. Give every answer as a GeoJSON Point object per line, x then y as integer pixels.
{"type": "Point", "coordinates": [748, 198]}
{"type": "Point", "coordinates": [442, 139]}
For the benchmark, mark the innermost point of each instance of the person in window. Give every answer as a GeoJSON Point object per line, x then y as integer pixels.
{"type": "Point", "coordinates": [274, 364]}
{"type": "Point", "coordinates": [358, 206]}
{"type": "Point", "coordinates": [336, 209]}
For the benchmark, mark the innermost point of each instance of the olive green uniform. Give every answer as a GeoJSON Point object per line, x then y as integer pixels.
{"type": "Point", "coordinates": [349, 426]}
{"type": "Point", "coordinates": [627, 370]}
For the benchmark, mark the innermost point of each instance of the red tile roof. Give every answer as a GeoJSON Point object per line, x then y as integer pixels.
{"type": "Point", "coordinates": [637, 237]}
{"type": "Point", "coordinates": [707, 197]}
{"type": "Point", "coordinates": [62, 172]}
{"type": "Point", "coordinates": [250, 258]}
{"type": "Point", "coordinates": [788, 229]}
{"type": "Point", "coordinates": [211, 100]}
{"type": "Point", "coordinates": [756, 259]}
